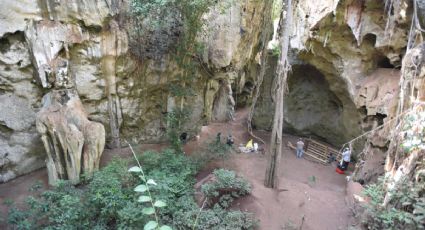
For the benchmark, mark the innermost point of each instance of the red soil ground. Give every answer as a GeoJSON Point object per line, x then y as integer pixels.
{"type": "Point", "coordinates": [299, 201]}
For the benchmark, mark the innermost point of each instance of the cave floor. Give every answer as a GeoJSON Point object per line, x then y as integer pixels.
{"type": "Point", "coordinates": [318, 203]}
{"type": "Point", "coordinates": [322, 203]}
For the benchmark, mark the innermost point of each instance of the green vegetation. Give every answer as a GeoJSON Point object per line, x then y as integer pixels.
{"type": "Point", "coordinates": [413, 131]}
{"type": "Point", "coordinates": [114, 198]}
{"type": "Point", "coordinates": [167, 29]}
{"type": "Point", "coordinates": [277, 9]}
{"type": "Point", "coordinates": [218, 149]}
{"type": "Point", "coordinates": [175, 120]}
{"type": "Point", "coordinates": [225, 188]}
{"type": "Point", "coordinates": [146, 197]}
{"type": "Point", "coordinates": [406, 210]}
{"type": "Point", "coordinates": [275, 50]}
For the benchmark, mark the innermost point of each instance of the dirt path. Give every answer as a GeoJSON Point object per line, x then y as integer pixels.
{"type": "Point", "coordinates": [321, 203]}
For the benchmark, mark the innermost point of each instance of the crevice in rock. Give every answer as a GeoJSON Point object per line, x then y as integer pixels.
{"type": "Point", "coordinates": [370, 39]}
{"type": "Point", "coordinates": [4, 130]}
{"type": "Point", "coordinates": [384, 62]}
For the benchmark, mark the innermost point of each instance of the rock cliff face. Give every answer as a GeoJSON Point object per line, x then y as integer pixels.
{"type": "Point", "coordinates": [345, 56]}
{"type": "Point", "coordinates": [86, 46]}
{"type": "Point", "coordinates": [341, 56]}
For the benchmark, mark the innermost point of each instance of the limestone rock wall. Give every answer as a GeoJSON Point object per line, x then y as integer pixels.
{"type": "Point", "coordinates": [21, 150]}
{"type": "Point", "coordinates": [86, 46]}
{"type": "Point", "coordinates": [347, 44]}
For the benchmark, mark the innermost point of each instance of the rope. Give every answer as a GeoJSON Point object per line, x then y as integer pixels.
{"type": "Point", "coordinates": [375, 129]}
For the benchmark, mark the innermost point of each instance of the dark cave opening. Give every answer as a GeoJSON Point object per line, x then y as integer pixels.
{"type": "Point", "coordinates": [311, 107]}
{"type": "Point", "coordinates": [384, 62]}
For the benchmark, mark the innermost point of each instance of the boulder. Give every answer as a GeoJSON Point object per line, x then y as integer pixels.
{"type": "Point", "coordinates": [73, 143]}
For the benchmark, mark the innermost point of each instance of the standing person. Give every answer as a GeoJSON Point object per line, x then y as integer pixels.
{"type": "Point", "coordinates": [300, 148]}
{"type": "Point", "coordinates": [346, 157]}
{"type": "Point", "coordinates": [218, 138]}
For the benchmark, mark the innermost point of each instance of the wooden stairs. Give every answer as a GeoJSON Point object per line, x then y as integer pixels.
{"type": "Point", "coordinates": [319, 152]}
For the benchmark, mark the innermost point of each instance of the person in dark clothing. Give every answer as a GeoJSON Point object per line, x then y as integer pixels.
{"type": "Point", "coordinates": [218, 138]}
{"type": "Point", "coordinates": [183, 138]}
{"type": "Point", "coordinates": [230, 140]}
{"type": "Point", "coordinates": [331, 158]}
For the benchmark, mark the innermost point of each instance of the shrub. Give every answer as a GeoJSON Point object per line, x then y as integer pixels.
{"type": "Point", "coordinates": [225, 188]}
{"type": "Point", "coordinates": [108, 200]}
{"type": "Point", "coordinates": [216, 218]}
{"type": "Point", "coordinates": [175, 120]}
{"type": "Point", "coordinates": [275, 49]}
{"type": "Point", "coordinates": [405, 211]}
{"type": "Point", "coordinates": [217, 149]}
{"type": "Point", "coordinates": [94, 205]}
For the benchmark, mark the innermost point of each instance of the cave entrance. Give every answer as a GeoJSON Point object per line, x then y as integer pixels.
{"type": "Point", "coordinates": [311, 108]}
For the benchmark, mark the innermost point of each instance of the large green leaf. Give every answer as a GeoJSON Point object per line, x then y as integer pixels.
{"type": "Point", "coordinates": [144, 199]}
{"type": "Point", "coordinates": [141, 188]}
{"type": "Point", "coordinates": [159, 204]}
{"type": "Point", "coordinates": [135, 169]}
{"type": "Point", "coordinates": [152, 182]}
{"type": "Point", "coordinates": [150, 225]}
{"type": "Point", "coordinates": [148, 211]}
{"type": "Point", "coordinates": [165, 227]}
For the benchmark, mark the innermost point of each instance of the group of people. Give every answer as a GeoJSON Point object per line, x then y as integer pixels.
{"type": "Point", "coordinates": [248, 148]}
{"type": "Point", "coordinates": [343, 164]}
{"type": "Point", "coordinates": [229, 140]}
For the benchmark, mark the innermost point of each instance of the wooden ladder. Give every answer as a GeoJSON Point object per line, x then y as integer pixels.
{"type": "Point", "coordinates": [320, 152]}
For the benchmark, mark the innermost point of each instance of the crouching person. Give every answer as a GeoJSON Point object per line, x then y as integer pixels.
{"type": "Point", "coordinates": [345, 161]}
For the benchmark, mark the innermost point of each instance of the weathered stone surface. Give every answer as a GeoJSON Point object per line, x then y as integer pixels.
{"type": "Point", "coordinates": [377, 99]}
{"type": "Point", "coordinates": [20, 150]}
{"type": "Point", "coordinates": [223, 34]}
{"type": "Point", "coordinates": [85, 45]}
{"type": "Point", "coordinates": [17, 113]}
{"type": "Point", "coordinates": [230, 39]}
{"type": "Point", "coordinates": [19, 154]}
{"type": "Point", "coordinates": [72, 142]}
{"type": "Point", "coordinates": [46, 39]}
{"type": "Point", "coordinates": [91, 12]}
{"type": "Point", "coordinates": [378, 92]}
{"type": "Point", "coordinates": [14, 15]}
{"type": "Point", "coordinates": [344, 41]}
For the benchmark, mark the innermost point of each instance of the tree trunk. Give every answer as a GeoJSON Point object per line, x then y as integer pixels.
{"type": "Point", "coordinates": [275, 152]}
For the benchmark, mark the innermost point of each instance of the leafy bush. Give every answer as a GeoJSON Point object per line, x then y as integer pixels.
{"type": "Point", "coordinates": [108, 200]}
{"type": "Point", "coordinates": [413, 131]}
{"type": "Point", "coordinates": [225, 188]}
{"type": "Point", "coordinates": [405, 211]}
{"type": "Point", "coordinates": [175, 120]}
{"type": "Point", "coordinates": [218, 149]}
{"type": "Point", "coordinates": [275, 50]}
{"type": "Point", "coordinates": [96, 205]}
{"type": "Point", "coordinates": [214, 219]}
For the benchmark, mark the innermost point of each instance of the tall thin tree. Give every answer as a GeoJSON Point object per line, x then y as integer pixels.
{"type": "Point", "coordinates": [275, 150]}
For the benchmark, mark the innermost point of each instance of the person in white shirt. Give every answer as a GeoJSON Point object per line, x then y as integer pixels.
{"type": "Point", "coordinates": [346, 158]}
{"type": "Point", "coordinates": [300, 148]}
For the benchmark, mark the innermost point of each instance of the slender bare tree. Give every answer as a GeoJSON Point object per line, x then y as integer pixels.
{"type": "Point", "coordinates": [275, 150]}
